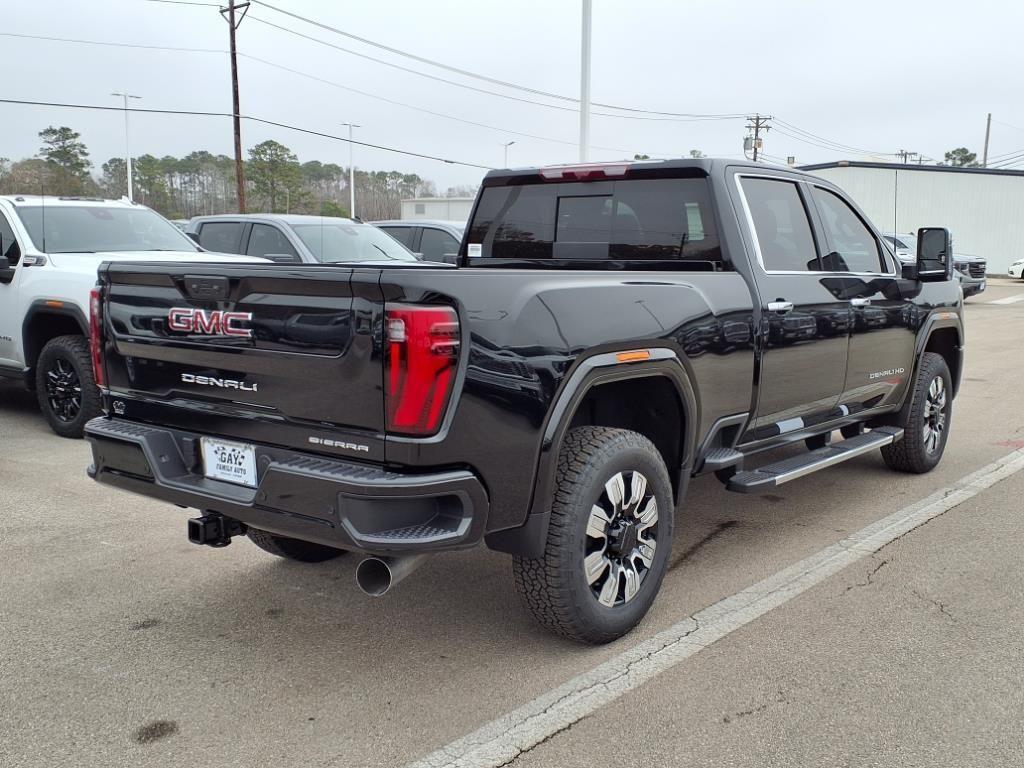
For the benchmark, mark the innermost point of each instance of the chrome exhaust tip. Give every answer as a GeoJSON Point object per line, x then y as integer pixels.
{"type": "Point", "coordinates": [377, 575]}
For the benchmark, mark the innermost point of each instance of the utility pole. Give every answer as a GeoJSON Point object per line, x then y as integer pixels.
{"type": "Point", "coordinates": [585, 82]}
{"type": "Point", "coordinates": [351, 173]}
{"type": "Point", "coordinates": [905, 155]}
{"type": "Point", "coordinates": [757, 124]}
{"type": "Point", "coordinates": [127, 144]}
{"type": "Point", "coordinates": [507, 144]}
{"type": "Point", "coordinates": [988, 130]}
{"type": "Point", "coordinates": [233, 23]}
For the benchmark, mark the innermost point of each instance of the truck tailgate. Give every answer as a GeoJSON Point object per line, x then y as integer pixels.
{"type": "Point", "coordinates": [255, 351]}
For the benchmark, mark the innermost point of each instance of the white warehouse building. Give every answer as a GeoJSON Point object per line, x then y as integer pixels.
{"type": "Point", "coordinates": [982, 208]}
{"type": "Point", "coordinates": [446, 208]}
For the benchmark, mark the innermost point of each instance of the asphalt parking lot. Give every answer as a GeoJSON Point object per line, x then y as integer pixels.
{"type": "Point", "coordinates": [122, 644]}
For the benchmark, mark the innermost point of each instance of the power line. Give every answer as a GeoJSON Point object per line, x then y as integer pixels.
{"type": "Point", "coordinates": [316, 78]}
{"type": "Point", "coordinates": [185, 2]}
{"type": "Point", "coordinates": [476, 75]}
{"type": "Point", "coordinates": [825, 141]}
{"type": "Point", "coordinates": [475, 89]}
{"type": "Point", "coordinates": [444, 115]}
{"type": "Point", "coordinates": [113, 45]}
{"type": "Point", "coordinates": [251, 118]}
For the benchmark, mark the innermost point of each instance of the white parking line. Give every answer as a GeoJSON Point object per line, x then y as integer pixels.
{"type": "Point", "coordinates": [502, 740]}
{"type": "Point", "coordinates": [1009, 299]}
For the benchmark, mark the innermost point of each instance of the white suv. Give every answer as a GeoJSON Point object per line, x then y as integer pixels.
{"type": "Point", "coordinates": [50, 248]}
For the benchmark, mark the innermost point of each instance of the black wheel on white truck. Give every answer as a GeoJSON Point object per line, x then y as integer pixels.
{"type": "Point", "coordinates": [609, 537]}
{"type": "Point", "coordinates": [65, 385]}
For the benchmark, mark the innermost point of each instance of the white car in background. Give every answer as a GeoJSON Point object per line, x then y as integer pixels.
{"type": "Point", "coordinates": [50, 249]}
{"type": "Point", "coordinates": [1016, 269]}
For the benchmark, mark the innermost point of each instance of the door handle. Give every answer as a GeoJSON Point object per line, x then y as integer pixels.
{"type": "Point", "coordinates": [780, 306]}
{"type": "Point", "coordinates": [860, 302]}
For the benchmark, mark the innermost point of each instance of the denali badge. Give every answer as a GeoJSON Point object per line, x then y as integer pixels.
{"type": "Point", "coordinates": [210, 381]}
{"type": "Point", "coordinates": [886, 374]}
{"type": "Point", "coordinates": [213, 323]}
{"type": "Point", "coordinates": [357, 447]}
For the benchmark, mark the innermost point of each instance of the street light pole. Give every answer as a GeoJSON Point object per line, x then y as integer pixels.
{"type": "Point", "coordinates": [507, 145]}
{"type": "Point", "coordinates": [585, 82]}
{"type": "Point", "coordinates": [351, 173]}
{"type": "Point", "coordinates": [127, 144]}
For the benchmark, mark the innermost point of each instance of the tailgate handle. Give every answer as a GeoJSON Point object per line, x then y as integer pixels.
{"type": "Point", "coordinates": [202, 288]}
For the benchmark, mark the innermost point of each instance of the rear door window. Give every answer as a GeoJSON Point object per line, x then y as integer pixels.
{"type": "Point", "coordinates": [783, 231]}
{"type": "Point", "coordinates": [265, 240]}
{"type": "Point", "coordinates": [590, 223]}
{"type": "Point", "coordinates": [221, 236]}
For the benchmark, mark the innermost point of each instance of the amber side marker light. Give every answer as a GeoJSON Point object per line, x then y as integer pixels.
{"type": "Point", "coordinates": [633, 356]}
{"type": "Point", "coordinates": [54, 304]}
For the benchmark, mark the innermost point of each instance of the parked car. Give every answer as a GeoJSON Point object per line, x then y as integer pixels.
{"type": "Point", "coordinates": [1016, 269]}
{"type": "Point", "coordinates": [433, 240]}
{"type": "Point", "coordinates": [905, 246]}
{"type": "Point", "coordinates": [295, 239]}
{"type": "Point", "coordinates": [50, 248]}
{"type": "Point", "coordinates": [551, 395]}
{"type": "Point", "coordinates": [969, 270]}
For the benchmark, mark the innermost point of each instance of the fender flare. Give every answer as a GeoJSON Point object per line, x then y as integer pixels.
{"type": "Point", "coordinates": [41, 307]}
{"type": "Point", "coordinates": [935, 321]}
{"type": "Point", "coordinates": [528, 540]}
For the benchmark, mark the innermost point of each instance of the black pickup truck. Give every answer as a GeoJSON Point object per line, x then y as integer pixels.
{"type": "Point", "coordinates": [609, 332]}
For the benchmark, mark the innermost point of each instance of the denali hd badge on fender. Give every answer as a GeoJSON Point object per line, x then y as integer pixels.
{"type": "Point", "coordinates": [213, 323]}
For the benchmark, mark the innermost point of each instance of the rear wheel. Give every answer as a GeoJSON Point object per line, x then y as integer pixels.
{"type": "Point", "coordinates": [927, 427]}
{"type": "Point", "coordinates": [65, 386]}
{"type": "Point", "coordinates": [292, 549]}
{"type": "Point", "coordinates": [608, 540]}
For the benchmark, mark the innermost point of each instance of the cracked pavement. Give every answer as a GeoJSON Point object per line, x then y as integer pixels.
{"type": "Point", "coordinates": [121, 644]}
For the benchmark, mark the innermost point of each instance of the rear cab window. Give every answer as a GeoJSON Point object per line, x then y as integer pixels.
{"type": "Point", "coordinates": [634, 222]}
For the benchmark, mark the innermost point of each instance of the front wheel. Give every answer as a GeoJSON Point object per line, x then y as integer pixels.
{"type": "Point", "coordinates": [609, 537]}
{"type": "Point", "coordinates": [927, 427]}
{"type": "Point", "coordinates": [65, 386]}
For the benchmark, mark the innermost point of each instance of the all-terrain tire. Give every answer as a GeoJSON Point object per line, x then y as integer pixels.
{"type": "Point", "coordinates": [292, 549]}
{"type": "Point", "coordinates": [921, 448]}
{"type": "Point", "coordinates": [65, 385]}
{"type": "Point", "coordinates": [555, 586]}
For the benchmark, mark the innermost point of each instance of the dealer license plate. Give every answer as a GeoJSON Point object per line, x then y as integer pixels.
{"type": "Point", "coordinates": [231, 462]}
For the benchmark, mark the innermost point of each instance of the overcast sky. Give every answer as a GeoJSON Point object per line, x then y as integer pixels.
{"type": "Point", "coordinates": [876, 75]}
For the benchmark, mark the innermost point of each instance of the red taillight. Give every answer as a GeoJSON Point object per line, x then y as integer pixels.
{"type": "Point", "coordinates": [422, 355]}
{"type": "Point", "coordinates": [95, 336]}
{"type": "Point", "coordinates": [584, 172]}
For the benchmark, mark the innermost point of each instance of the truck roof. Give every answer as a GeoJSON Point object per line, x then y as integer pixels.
{"type": "Point", "coordinates": [24, 200]}
{"type": "Point", "coordinates": [709, 166]}
{"type": "Point", "coordinates": [285, 218]}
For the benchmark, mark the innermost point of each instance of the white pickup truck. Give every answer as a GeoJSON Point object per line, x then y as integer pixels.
{"type": "Point", "coordinates": [50, 248]}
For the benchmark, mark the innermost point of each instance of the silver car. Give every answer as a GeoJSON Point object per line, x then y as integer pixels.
{"type": "Point", "coordinates": [296, 239]}
{"type": "Point", "coordinates": [433, 239]}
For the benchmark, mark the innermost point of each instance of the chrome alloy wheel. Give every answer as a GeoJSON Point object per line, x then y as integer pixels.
{"type": "Point", "coordinates": [63, 390]}
{"type": "Point", "coordinates": [622, 534]}
{"type": "Point", "coordinates": [934, 415]}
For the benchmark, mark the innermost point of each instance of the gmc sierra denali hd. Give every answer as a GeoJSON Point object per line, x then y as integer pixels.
{"type": "Point", "coordinates": [608, 333]}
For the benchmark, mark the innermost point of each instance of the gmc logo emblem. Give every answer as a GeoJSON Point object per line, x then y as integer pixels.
{"type": "Point", "coordinates": [213, 323]}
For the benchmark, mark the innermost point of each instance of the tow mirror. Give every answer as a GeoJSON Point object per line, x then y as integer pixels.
{"type": "Point", "coordinates": [934, 254]}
